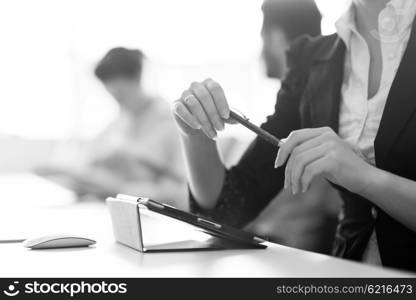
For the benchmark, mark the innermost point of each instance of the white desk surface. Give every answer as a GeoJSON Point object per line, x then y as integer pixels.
{"type": "Point", "coordinates": [30, 206]}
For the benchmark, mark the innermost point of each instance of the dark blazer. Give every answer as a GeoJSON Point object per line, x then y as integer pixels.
{"type": "Point", "coordinates": [310, 97]}
{"type": "Point", "coordinates": [395, 149]}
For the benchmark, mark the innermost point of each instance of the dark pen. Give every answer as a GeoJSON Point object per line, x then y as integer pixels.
{"type": "Point", "coordinates": [260, 132]}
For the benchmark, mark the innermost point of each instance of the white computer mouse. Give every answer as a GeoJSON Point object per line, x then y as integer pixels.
{"type": "Point", "coordinates": [58, 241]}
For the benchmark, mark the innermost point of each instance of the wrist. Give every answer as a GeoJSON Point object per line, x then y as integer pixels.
{"type": "Point", "coordinates": [370, 177]}
{"type": "Point", "coordinates": [198, 138]}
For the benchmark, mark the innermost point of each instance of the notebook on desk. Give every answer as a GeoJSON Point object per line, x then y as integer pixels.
{"type": "Point", "coordinates": [149, 226]}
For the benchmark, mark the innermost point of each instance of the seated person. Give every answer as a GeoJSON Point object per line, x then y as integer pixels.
{"type": "Point", "coordinates": [347, 112]}
{"type": "Point", "coordinates": [139, 152]}
{"type": "Point", "coordinates": [308, 220]}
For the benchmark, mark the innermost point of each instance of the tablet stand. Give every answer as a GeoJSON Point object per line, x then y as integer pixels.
{"type": "Point", "coordinates": [132, 228]}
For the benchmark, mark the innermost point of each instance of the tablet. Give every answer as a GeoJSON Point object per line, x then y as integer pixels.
{"type": "Point", "coordinates": [223, 236]}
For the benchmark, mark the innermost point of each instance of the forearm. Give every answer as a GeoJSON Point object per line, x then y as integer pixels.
{"type": "Point", "coordinates": [394, 194]}
{"type": "Point", "coordinates": [205, 170]}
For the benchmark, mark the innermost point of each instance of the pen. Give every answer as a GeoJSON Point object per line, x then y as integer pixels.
{"type": "Point", "coordinates": [259, 131]}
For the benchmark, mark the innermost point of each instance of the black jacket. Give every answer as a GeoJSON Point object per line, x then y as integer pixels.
{"type": "Point", "coordinates": [310, 97]}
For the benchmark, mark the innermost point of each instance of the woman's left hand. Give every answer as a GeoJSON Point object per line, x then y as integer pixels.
{"type": "Point", "coordinates": [321, 152]}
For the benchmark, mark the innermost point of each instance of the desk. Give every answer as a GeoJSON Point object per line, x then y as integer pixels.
{"type": "Point", "coordinates": [33, 206]}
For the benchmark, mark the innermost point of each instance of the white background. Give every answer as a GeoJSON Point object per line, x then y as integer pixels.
{"type": "Point", "coordinates": [48, 49]}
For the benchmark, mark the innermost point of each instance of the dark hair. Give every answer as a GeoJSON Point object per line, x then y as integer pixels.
{"type": "Point", "coordinates": [120, 62]}
{"type": "Point", "coordinates": [294, 17]}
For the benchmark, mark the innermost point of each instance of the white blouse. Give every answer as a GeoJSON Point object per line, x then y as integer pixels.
{"type": "Point", "coordinates": [360, 117]}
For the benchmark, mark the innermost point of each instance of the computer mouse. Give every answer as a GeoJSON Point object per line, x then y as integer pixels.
{"type": "Point", "coordinates": [58, 241]}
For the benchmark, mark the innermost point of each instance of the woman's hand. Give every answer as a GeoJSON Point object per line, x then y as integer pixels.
{"type": "Point", "coordinates": [202, 107]}
{"type": "Point", "coordinates": [321, 152]}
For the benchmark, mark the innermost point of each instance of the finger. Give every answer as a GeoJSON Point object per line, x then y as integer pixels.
{"type": "Point", "coordinates": [299, 149]}
{"type": "Point", "coordinates": [230, 121]}
{"type": "Point", "coordinates": [311, 143]}
{"type": "Point", "coordinates": [308, 144]}
{"type": "Point", "coordinates": [294, 139]}
{"type": "Point", "coordinates": [182, 112]}
{"type": "Point", "coordinates": [298, 137]}
{"type": "Point", "coordinates": [205, 98]}
{"type": "Point", "coordinates": [193, 105]}
{"type": "Point", "coordinates": [218, 96]}
{"type": "Point", "coordinates": [300, 161]}
{"type": "Point", "coordinates": [288, 177]}
{"type": "Point", "coordinates": [318, 167]}
{"type": "Point", "coordinates": [288, 170]}
{"type": "Point", "coordinates": [282, 141]}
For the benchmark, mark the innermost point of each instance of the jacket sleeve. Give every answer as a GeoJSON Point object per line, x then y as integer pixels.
{"type": "Point", "coordinates": [251, 184]}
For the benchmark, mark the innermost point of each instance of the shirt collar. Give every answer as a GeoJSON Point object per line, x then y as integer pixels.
{"type": "Point", "coordinates": [345, 25]}
{"type": "Point", "coordinates": [402, 11]}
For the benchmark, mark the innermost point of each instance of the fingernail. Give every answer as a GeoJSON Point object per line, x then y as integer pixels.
{"type": "Point", "coordinates": [225, 114]}
{"type": "Point", "coordinates": [304, 189]}
{"type": "Point", "coordinates": [219, 126]}
{"type": "Point", "coordinates": [212, 134]}
{"type": "Point", "coordinates": [277, 161]}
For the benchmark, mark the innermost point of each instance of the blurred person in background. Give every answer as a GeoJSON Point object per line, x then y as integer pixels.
{"type": "Point", "coordinates": [139, 152]}
{"type": "Point", "coordinates": [283, 22]}
{"type": "Point", "coordinates": [306, 221]}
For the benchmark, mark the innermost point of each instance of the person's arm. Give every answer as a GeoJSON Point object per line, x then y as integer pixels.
{"type": "Point", "coordinates": [205, 169]}
{"type": "Point", "coordinates": [199, 113]}
{"type": "Point", "coordinates": [239, 193]}
{"type": "Point", "coordinates": [316, 152]}
{"type": "Point", "coordinates": [394, 194]}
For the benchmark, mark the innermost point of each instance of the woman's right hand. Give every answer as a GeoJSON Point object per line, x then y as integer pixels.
{"type": "Point", "coordinates": [202, 108]}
